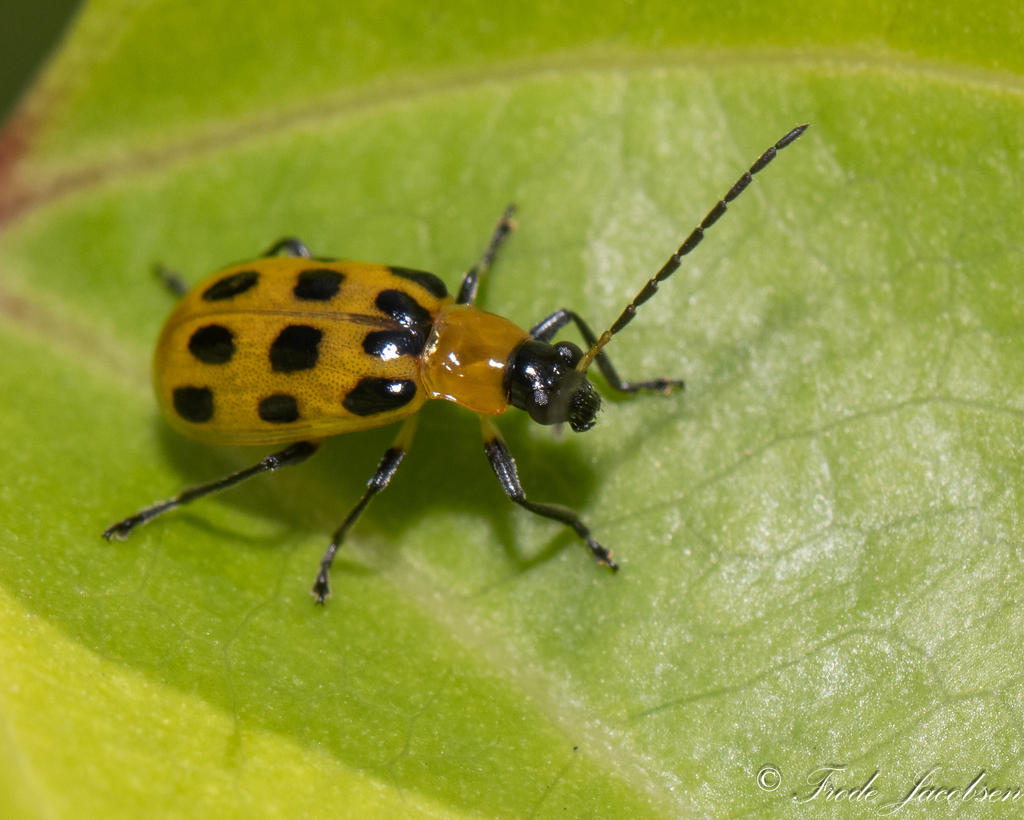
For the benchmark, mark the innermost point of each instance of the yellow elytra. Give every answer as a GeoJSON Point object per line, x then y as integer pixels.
{"type": "Point", "coordinates": [292, 349]}
{"type": "Point", "coordinates": [285, 349]}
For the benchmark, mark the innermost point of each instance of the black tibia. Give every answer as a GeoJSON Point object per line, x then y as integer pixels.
{"type": "Point", "coordinates": [293, 454]}
{"type": "Point", "coordinates": [470, 282]}
{"type": "Point", "coordinates": [388, 464]}
{"type": "Point", "coordinates": [171, 280]}
{"type": "Point", "coordinates": [545, 331]}
{"type": "Point", "coordinates": [504, 467]}
{"type": "Point", "coordinates": [289, 246]}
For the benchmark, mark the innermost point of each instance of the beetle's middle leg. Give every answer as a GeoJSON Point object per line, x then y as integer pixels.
{"type": "Point", "coordinates": [504, 467]}
{"type": "Point", "coordinates": [378, 481]}
{"type": "Point", "coordinates": [471, 281]}
{"type": "Point", "coordinates": [289, 246]}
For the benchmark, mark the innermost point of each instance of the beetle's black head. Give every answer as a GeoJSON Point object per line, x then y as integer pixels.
{"type": "Point", "coordinates": [544, 382]}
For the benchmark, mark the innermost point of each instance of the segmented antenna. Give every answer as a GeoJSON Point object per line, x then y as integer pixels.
{"type": "Point", "coordinates": [692, 241]}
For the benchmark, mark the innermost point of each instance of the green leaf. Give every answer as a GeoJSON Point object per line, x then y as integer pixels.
{"type": "Point", "coordinates": [820, 540]}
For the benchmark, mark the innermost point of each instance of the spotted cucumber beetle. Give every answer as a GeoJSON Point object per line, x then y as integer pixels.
{"type": "Point", "coordinates": [292, 349]}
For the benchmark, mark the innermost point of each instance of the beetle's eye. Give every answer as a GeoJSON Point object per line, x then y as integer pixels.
{"type": "Point", "coordinates": [569, 353]}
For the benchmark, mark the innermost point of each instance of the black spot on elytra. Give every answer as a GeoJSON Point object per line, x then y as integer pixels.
{"type": "Point", "coordinates": [430, 283]}
{"type": "Point", "coordinates": [194, 404]}
{"type": "Point", "coordinates": [318, 285]}
{"type": "Point", "coordinates": [411, 315]}
{"type": "Point", "coordinates": [404, 309]}
{"type": "Point", "coordinates": [231, 286]}
{"type": "Point", "coordinates": [372, 396]}
{"type": "Point", "coordinates": [279, 409]}
{"type": "Point", "coordinates": [213, 344]}
{"type": "Point", "coordinates": [390, 344]}
{"type": "Point", "coordinates": [295, 348]}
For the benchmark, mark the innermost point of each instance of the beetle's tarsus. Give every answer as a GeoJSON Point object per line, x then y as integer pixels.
{"type": "Point", "coordinates": [321, 590]}
{"type": "Point", "coordinates": [603, 555]}
{"type": "Point", "coordinates": [121, 530]}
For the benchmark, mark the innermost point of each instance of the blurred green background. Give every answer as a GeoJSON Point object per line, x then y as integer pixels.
{"type": "Point", "coordinates": [823, 533]}
{"type": "Point", "coordinates": [29, 30]}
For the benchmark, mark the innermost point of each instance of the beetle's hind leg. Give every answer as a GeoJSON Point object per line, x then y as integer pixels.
{"type": "Point", "coordinates": [471, 281]}
{"type": "Point", "coordinates": [545, 331]}
{"type": "Point", "coordinates": [170, 279]}
{"type": "Point", "coordinates": [293, 454]}
{"type": "Point", "coordinates": [504, 467]}
{"type": "Point", "coordinates": [378, 481]}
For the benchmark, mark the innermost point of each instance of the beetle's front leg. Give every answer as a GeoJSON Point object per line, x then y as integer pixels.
{"type": "Point", "coordinates": [545, 331]}
{"type": "Point", "coordinates": [504, 467]}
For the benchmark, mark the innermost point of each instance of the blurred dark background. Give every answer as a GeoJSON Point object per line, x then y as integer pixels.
{"type": "Point", "coordinates": [29, 31]}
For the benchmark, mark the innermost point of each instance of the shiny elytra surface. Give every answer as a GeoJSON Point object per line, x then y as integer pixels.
{"type": "Point", "coordinates": [237, 370]}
